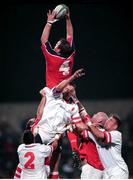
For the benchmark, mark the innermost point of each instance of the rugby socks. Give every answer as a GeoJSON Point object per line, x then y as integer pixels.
{"type": "Point", "coordinates": [54, 175]}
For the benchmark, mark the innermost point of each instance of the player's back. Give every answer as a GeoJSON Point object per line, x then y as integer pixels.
{"type": "Point", "coordinates": [56, 115]}
{"type": "Point", "coordinates": [58, 70]}
{"type": "Point", "coordinates": [110, 152]}
{"type": "Point", "coordinates": [55, 107]}
{"type": "Point", "coordinates": [58, 67]}
{"type": "Point", "coordinates": [31, 158]}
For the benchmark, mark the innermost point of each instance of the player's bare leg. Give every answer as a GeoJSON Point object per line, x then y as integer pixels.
{"type": "Point", "coordinates": [54, 164]}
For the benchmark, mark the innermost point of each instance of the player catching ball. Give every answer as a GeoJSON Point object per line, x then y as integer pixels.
{"type": "Point", "coordinates": [60, 59]}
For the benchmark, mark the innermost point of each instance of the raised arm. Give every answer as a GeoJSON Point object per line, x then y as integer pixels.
{"type": "Point", "coordinates": [47, 28]}
{"type": "Point", "coordinates": [41, 107]}
{"type": "Point", "coordinates": [69, 27]}
{"type": "Point", "coordinates": [82, 111]}
{"type": "Point", "coordinates": [64, 83]}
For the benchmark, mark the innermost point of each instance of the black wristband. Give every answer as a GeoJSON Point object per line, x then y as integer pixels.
{"type": "Point", "coordinates": [49, 23]}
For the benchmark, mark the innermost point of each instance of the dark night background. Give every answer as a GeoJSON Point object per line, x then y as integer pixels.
{"type": "Point", "coordinates": [103, 35]}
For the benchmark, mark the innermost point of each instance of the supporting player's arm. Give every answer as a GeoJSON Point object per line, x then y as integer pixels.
{"type": "Point", "coordinates": [82, 111]}
{"type": "Point", "coordinates": [18, 172]}
{"type": "Point", "coordinates": [97, 133]}
{"type": "Point", "coordinates": [64, 83]}
{"type": "Point", "coordinates": [41, 107]}
{"type": "Point", "coordinates": [81, 127]}
{"type": "Point", "coordinates": [47, 28]}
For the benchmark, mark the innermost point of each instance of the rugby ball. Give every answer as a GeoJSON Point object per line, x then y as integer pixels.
{"type": "Point", "coordinates": [60, 11]}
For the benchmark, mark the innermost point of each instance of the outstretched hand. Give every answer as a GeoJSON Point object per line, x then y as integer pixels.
{"type": "Point", "coordinates": [51, 16]}
{"type": "Point", "coordinates": [79, 73]}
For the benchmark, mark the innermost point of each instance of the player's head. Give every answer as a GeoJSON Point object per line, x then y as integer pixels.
{"type": "Point", "coordinates": [113, 123]}
{"type": "Point", "coordinates": [63, 47]}
{"type": "Point", "coordinates": [69, 91]}
{"type": "Point", "coordinates": [100, 117]}
{"type": "Point", "coordinates": [30, 123]}
{"type": "Point", "coordinates": [28, 137]}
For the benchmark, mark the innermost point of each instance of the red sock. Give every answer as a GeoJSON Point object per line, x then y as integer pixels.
{"type": "Point", "coordinates": [73, 140]}
{"type": "Point", "coordinates": [54, 175]}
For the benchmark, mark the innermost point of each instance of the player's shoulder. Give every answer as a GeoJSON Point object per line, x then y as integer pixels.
{"type": "Point", "coordinates": [52, 92]}
{"type": "Point", "coordinates": [35, 146]}
{"type": "Point", "coordinates": [71, 107]}
{"type": "Point", "coordinates": [47, 90]}
{"type": "Point", "coordinates": [39, 146]}
{"type": "Point", "coordinates": [43, 147]}
{"type": "Point", "coordinates": [74, 107]}
{"type": "Point", "coordinates": [20, 147]}
{"type": "Point", "coordinates": [116, 133]}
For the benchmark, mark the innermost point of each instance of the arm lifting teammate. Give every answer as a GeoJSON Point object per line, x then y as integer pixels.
{"type": "Point", "coordinates": [54, 96]}
{"type": "Point", "coordinates": [108, 142]}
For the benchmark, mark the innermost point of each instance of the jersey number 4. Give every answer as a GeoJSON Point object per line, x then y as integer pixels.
{"type": "Point", "coordinates": [64, 68]}
{"type": "Point", "coordinates": [30, 162]}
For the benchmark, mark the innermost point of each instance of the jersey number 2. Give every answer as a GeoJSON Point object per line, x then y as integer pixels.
{"type": "Point", "coordinates": [29, 164]}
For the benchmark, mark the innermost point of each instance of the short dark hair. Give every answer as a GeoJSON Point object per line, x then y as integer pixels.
{"type": "Point", "coordinates": [66, 94]}
{"type": "Point", "coordinates": [65, 48]}
{"type": "Point", "coordinates": [28, 137]}
{"type": "Point", "coordinates": [117, 118]}
{"type": "Point", "coordinates": [29, 123]}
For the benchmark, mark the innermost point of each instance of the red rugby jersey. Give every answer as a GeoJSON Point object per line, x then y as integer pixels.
{"type": "Point", "coordinates": [89, 152]}
{"type": "Point", "coordinates": [58, 68]}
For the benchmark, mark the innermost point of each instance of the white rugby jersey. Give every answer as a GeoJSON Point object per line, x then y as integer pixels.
{"type": "Point", "coordinates": [56, 115]}
{"type": "Point", "coordinates": [32, 158]}
{"type": "Point", "coordinates": [110, 151]}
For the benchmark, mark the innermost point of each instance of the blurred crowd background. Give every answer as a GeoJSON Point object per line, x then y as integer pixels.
{"type": "Point", "coordinates": [103, 35]}
{"type": "Point", "coordinates": [13, 118]}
